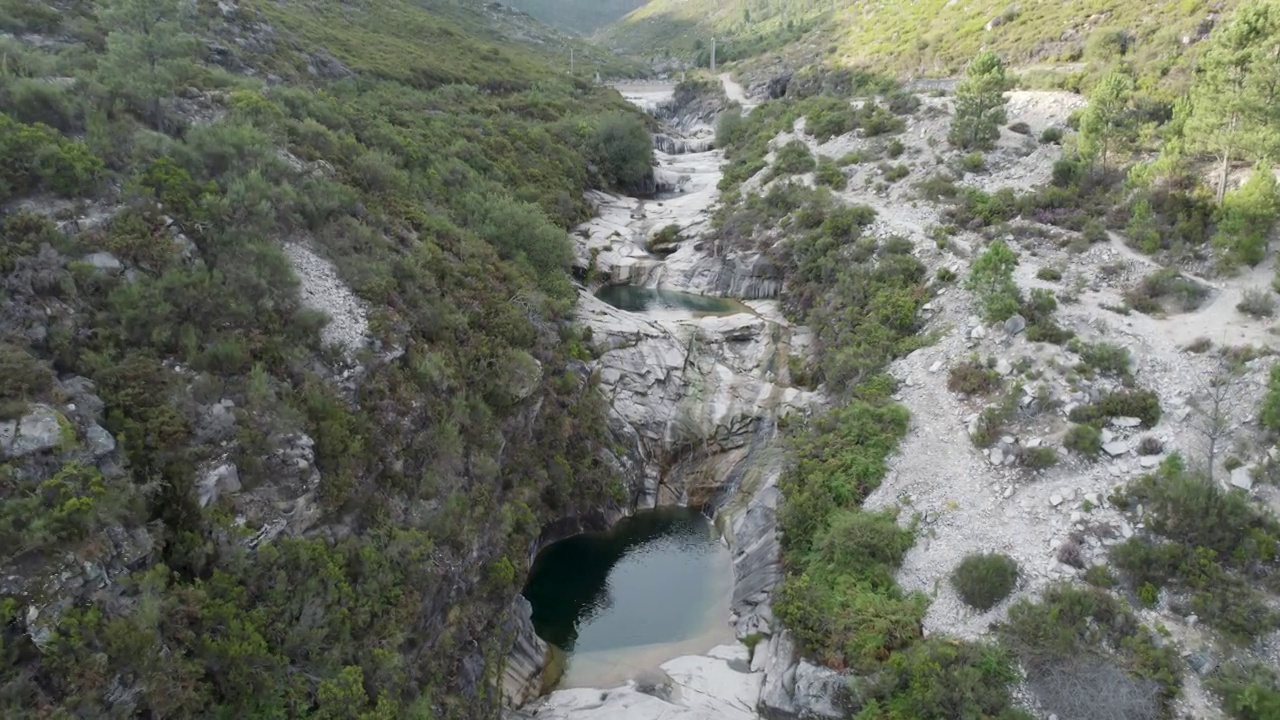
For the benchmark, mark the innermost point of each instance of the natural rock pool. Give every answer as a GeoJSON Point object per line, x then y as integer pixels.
{"type": "Point", "coordinates": [621, 603]}
{"type": "Point", "coordinates": [668, 303]}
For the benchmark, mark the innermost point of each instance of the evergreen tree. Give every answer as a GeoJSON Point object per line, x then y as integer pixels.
{"type": "Point", "coordinates": [1142, 230]}
{"type": "Point", "coordinates": [991, 280]}
{"type": "Point", "coordinates": [1247, 216]}
{"type": "Point", "coordinates": [149, 50]}
{"type": "Point", "coordinates": [1105, 125]}
{"type": "Point", "coordinates": [1235, 100]}
{"type": "Point", "coordinates": [980, 104]}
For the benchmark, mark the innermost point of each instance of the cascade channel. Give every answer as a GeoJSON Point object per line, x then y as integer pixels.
{"type": "Point", "coordinates": [659, 608]}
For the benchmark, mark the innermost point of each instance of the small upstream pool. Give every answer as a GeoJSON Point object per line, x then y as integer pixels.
{"type": "Point", "coordinates": [668, 302]}
{"type": "Point", "coordinates": [620, 603]}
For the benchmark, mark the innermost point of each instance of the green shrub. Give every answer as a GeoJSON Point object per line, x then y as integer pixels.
{"type": "Point", "coordinates": [730, 128]}
{"type": "Point", "coordinates": [984, 579]}
{"type": "Point", "coordinates": [874, 121]}
{"type": "Point", "coordinates": [1168, 284]}
{"type": "Point", "coordinates": [1038, 310]}
{"type": "Point", "coordinates": [23, 233]}
{"type": "Point", "coordinates": [942, 677]}
{"type": "Point", "coordinates": [793, 158]}
{"type": "Point", "coordinates": [1103, 357]}
{"type": "Point", "coordinates": [852, 157]}
{"type": "Point", "coordinates": [1038, 458]}
{"type": "Point", "coordinates": [1080, 637]}
{"type": "Point", "coordinates": [38, 101]}
{"type": "Point", "coordinates": [1094, 232]}
{"type": "Point", "coordinates": [1215, 550]}
{"type": "Point", "coordinates": [623, 151]}
{"type": "Point", "coordinates": [1269, 412]}
{"type": "Point", "coordinates": [1106, 44]}
{"type": "Point", "coordinates": [938, 186]}
{"type": "Point", "coordinates": [37, 158]}
{"type": "Point", "coordinates": [1100, 576]}
{"type": "Point", "coordinates": [844, 607]}
{"type": "Point", "coordinates": [842, 621]}
{"type": "Point", "coordinates": [973, 378]}
{"type": "Point", "coordinates": [1188, 510]}
{"type": "Point", "coordinates": [1247, 216]}
{"type": "Point", "coordinates": [23, 377]}
{"type": "Point", "coordinates": [901, 102]}
{"type": "Point", "coordinates": [864, 542]}
{"type": "Point", "coordinates": [1148, 595]}
{"type": "Point", "coordinates": [1020, 128]}
{"type": "Point", "coordinates": [993, 419]}
{"type": "Point", "coordinates": [1067, 172]}
{"type": "Point", "coordinates": [973, 162]}
{"type": "Point", "coordinates": [1141, 404]}
{"type": "Point", "coordinates": [1083, 439]}
{"type": "Point", "coordinates": [991, 279]}
{"type": "Point", "coordinates": [1049, 273]}
{"type": "Point", "coordinates": [828, 117]}
{"type": "Point", "coordinates": [946, 275]}
{"type": "Point", "coordinates": [1142, 230]}
{"type": "Point", "coordinates": [895, 149]}
{"type": "Point", "coordinates": [1248, 692]}
{"type": "Point", "coordinates": [1051, 136]}
{"type": "Point", "coordinates": [65, 508]}
{"type": "Point", "coordinates": [894, 173]}
{"type": "Point", "coordinates": [1257, 303]}
{"type": "Point", "coordinates": [981, 209]}
{"type": "Point", "coordinates": [830, 175]}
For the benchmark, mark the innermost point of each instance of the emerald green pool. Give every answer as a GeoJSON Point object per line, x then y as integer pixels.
{"type": "Point", "coordinates": [654, 587]}
{"type": "Point", "coordinates": [667, 302]}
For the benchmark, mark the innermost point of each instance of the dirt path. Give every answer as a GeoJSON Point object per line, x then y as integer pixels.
{"type": "Point", "coordinates": [736, 93]}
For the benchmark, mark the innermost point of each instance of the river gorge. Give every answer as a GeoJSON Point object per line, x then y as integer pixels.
{"type": "Point", "coordinates": [692, 352]}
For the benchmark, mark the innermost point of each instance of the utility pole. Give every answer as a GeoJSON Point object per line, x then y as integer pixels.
{"type": "Point", "coordinates": [571, 61]}
{"type": "Point", "coordinates": [713, 53]}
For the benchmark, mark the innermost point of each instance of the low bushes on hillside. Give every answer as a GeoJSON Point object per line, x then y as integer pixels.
{"type": "Point", "coordinates": [1141, 404]}
{"type": "Point", "coordinates": [984, 579]}
{"type": "Point", "coordinates": [1076, 638]}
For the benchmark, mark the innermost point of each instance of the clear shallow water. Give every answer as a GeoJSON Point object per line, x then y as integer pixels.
{"type": "Point", "coordinates": [667, 302]}
{"type": "Point", "coordinates": [619, 603]}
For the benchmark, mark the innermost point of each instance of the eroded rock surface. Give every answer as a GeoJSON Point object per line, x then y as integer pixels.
{"type": "Point", "coordinates": [697, 397]}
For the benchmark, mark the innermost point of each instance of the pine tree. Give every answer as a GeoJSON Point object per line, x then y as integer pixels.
{"type": "Point", "coordinates": [991, 280]}
{"type": "Point", "coordinates": [980, 104]}
{"type": "Point", "coordinates": [1105, 125]}
{"type": "Point", "coordinates": [1247, 216]}
{"type": "Point", "coordinates": [1235, 100]}
{"type": "Point", "coordinates": [149, 49]}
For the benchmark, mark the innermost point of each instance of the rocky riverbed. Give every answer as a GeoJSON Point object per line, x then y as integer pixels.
{"type": "Point", "coordinates": [698, 398]}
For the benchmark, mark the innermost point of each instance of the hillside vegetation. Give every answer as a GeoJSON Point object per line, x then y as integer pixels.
{"type": "Point", "coordinates": [1077, 225]}
{"type": "Point", "coordinates": [214, 500]}
{"type": "Point", "coordinates": [580, 16]}
{"type": "Point", "coordinates": [926, 38]}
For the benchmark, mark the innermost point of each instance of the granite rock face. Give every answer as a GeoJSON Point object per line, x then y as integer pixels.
{"type": "Point", "coordinates": [39, 430]}
{"type": "Point", "coordinates": [716, 686]}
{"type": "Point", "coordinates": [522, 676]}
{"type": "Point", "coordinates": [695, 401]}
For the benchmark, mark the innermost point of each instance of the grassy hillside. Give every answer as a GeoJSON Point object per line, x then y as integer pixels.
{"type": "Point", "coordinates": [580, 16]}
{"type": "Point", "coordinates": [227, 515]}
{"type": "Point", "coordinates": [437, 41]}
{"type": "Point", "coordinates": [925, 37]}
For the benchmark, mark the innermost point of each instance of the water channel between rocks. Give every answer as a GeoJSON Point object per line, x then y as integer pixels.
{"type": "Point", "coordinates": [622, 602]}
